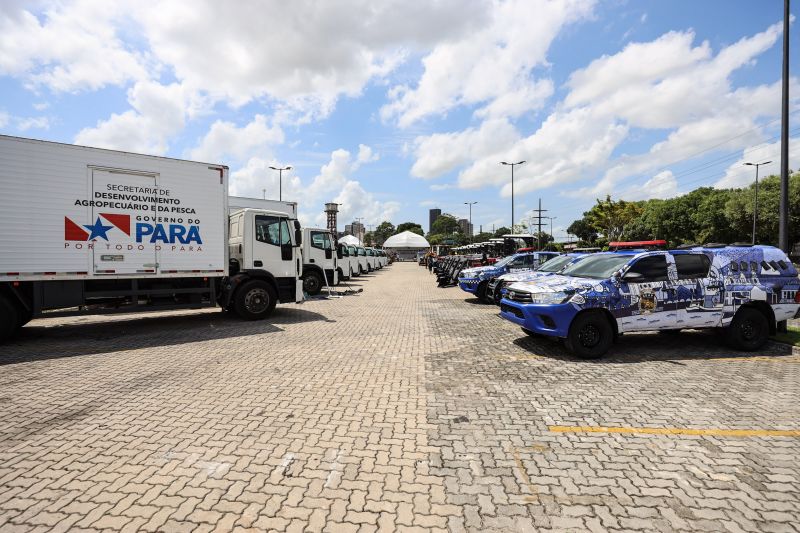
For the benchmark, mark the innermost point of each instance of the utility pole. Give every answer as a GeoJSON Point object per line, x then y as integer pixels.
{"type": "Point", "coordinates": [539, 216]}
{"type": "Point", "coordinates": [783, 221]}
{"type": "Point", "coordinates": [471, 233]}
{"type": "Point", "coordinates": [512, 165]}
{"type": "Point", "coordinates": [280, 180]}
{"type": "Point", "coordinates": [755, 199]}
{"type": "Point", "coordinates": [264, 193]}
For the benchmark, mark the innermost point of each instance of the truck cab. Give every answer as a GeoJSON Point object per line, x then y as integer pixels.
{"type": "Point", "coordinates": [372, 259]}
{"type": "Point", "coordinates": [363, 264]}
{"type": "Point", "coordinates": [744, 291]}
{"type": "Point", "coordinates": [320, 263]}
{"type": "Point", "coordinates": [265, 262]}
{"type": "Point", "coordinates": [344, 261]}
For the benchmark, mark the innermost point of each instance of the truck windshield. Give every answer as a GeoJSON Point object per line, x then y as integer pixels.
{"type": "Point", "coordinates": [362, 252]}
{"type": "Point", "coordinates": [596, 266]}
{"type": "Point", "coordinates": [555, 264]}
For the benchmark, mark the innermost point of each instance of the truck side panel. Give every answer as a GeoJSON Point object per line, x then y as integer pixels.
{"type": "Point", "coordinates": [71, 212]}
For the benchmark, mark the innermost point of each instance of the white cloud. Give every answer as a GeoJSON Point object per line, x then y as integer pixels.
{"type": "Point", "coordinates": [224, 139]}
{"type": "Point", "coordinates": [440, 153]}
{"type": "Point", "coordinates": [662, 185]}
{"type": "Point", "coordinates": [257, 180]}
{"type": "Point", "coordinates": [304, 54]}
{"type": "Point", "coordinates": [739, 175]}
{"type": "Point", "coordinates": [5, 118]}
{"type": "Point", "coordinates": [69, 47]}
{"type": "Point", "coordinates": [493, 63]}
{"type": "Point", "coordinates": [159, 112]}
{"type": "Point", "coordinates": [33, 123]}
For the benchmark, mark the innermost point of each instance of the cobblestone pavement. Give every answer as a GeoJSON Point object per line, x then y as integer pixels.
{"type": "Point", "coordinates": [406, 407]}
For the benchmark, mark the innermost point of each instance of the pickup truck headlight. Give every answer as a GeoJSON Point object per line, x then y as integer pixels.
{"type": "Point", "coordinates": [549, 298]}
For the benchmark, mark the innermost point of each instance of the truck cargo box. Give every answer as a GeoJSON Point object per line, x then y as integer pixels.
{"type": "Point", "coordinates": [72, 212]}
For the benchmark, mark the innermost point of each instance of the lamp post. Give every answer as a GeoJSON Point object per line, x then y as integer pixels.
{"type": "Point", "coordinates": [512, 165]}
{"type": "Point", "coordinates": [280, 180]}
{"type": "Point", "coordinates": [470, 204]}
{"type": "Point", "coordinates": [553, 237]}
{"type": "Point", "coordinates": [755, 199]}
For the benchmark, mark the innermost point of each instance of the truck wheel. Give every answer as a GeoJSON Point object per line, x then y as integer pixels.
{"type": "Point", "coordinates": [255, 300]}
{"type": "Point", "coordinates": [312, 283]}
{"type": "Point", "coordinates": [749, 330]}
{"type": "Point", "coordinates": [590, 336]}
{"type": "Point", "coordinates": [9, 319]}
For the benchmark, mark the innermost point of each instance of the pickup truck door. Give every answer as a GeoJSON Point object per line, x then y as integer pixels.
{"type": "Point", "coordinates": [650, 302]}
{"type": "Point", "coordinates": [700, 296]}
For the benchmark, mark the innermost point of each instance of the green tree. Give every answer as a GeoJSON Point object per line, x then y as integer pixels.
{"type": "Point", "coordinates": [610, 218]}
{"type": "Point", "coordinates": [446, 224]}
{"type": "Point", "coordinates": [410, 226]}
{"type": "Point", "coordinates": [583, 230]}
{"type": "Point", "coordinates": [383, 231]}
{"type": "Point", "coordinates": [502, 230]}
{"type": "Point", "coordinates": [369, 239]}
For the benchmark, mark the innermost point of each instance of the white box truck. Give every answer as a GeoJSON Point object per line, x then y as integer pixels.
{"type": "Point", "coordinates": [92, 230]}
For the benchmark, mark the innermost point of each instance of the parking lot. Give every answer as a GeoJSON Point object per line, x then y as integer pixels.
{"type": "Point", "coordinates": [405, 407]}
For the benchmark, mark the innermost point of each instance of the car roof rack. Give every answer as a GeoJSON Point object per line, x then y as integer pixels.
{"type": "Point", "coordinates": [714, 245]}
{"type": "Point", "coordinates": [687, 246]}
{"type": "Point", "coordinates": [742, 244]}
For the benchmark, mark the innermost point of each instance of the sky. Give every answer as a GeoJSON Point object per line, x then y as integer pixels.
{"type": "Point", "coordinates": [394, 107]}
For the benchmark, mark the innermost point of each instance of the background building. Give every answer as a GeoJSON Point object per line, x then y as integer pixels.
{"type": "Point", "coordinates": [356, 229]}
{"type": "Point", "coordinates": [466, 227]}
{"type": "Point", "coordinates": [433, 215]}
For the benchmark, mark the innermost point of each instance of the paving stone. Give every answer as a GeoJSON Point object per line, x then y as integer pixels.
{"type": "Point", "coordinates": [406, 407]}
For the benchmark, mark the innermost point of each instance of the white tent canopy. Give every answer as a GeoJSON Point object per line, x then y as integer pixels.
{"type": "Point", "coordinates": [350, 240]}
{"type": "Point", "coordinates": [406, 240]}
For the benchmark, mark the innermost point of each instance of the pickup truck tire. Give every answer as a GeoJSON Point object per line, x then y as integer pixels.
{"type": "Point", "coordinates": [480, 292]}
{"type": "Point", "coordinates": [312, 283]}
{"type": "Point", "coordinates": [748, 331]}
{"type": "Point", "coordinates": [255, 300]}
{"type": "Point", "coordinates": [9, 319]}
{"type": "Point", "coordinates": [590, 336]}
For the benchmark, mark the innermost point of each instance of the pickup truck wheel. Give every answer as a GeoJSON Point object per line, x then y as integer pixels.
{"type": "Point", "coordinates": [312, 283]}
{"type": "Point", "coordinates": [255, 300]}
{"type": "Point", "coordinates": [9, 319]}
{"type": "Point", "coordinates": [480, 292]}
{"type": "Point", "coordinates": [749, 330]}
{"type": "Point", "coordinates": [590, 336]}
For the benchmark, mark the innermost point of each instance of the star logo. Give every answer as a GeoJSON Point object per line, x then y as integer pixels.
{"type": "Point", "coordinates": [97, 229]}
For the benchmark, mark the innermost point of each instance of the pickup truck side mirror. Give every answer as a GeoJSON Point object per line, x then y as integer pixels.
{"type": "Point", "coordinates": [632, 277]}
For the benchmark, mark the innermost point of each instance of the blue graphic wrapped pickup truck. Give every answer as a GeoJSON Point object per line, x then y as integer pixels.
{"type": "Point", "coordinates": [476, 280]}
{"type": "Point", "coordinates": [743, 289]}
{"type": "Point", "coordinates": [495, 290]}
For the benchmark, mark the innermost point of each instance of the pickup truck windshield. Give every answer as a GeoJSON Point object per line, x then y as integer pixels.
{"type": "Point", "coordinates": [555, 264]}
{"type": "Point", "coordinates": [504, 261]}
{"type": "Point", "coordinates": [597, 266]}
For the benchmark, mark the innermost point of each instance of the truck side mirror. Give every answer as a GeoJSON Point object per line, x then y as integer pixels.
{"type": "Point", "coordinates": [298, 234]}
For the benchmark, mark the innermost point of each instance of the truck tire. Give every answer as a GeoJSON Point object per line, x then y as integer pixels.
{"type": "Point", "coordinates": [590, 336]}
{"type": "Point", "coordinates": [748, 331]}
{"type": "Point", "coordinates": [9, 319]}
{"type": "Point", "coordinates": [312, 283]}
{"type": "Point", "coordinates": [255, 300]}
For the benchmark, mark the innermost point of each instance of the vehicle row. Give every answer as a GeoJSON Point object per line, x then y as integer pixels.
{"type": "Point", "coordinates": [89, 230]}
{"type": "Point", "coordinates": [589, 300]}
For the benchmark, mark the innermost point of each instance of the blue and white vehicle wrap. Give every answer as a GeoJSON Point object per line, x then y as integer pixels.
{"type": "Point", "coordinates": [548, 268]}
{"type": "Point", "coordinates": [471, 278]}
{"type": "Point", "coordinates": [680, 289]}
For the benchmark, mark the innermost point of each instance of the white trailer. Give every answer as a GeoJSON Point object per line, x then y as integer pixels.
{"type": "Point", "coordinates": [92, 230]}
{"type": "Point", "coordinates": [239, 202]}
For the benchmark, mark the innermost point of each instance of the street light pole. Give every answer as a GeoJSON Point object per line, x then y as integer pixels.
{"type": "Point", "coordinates": [512, 165]}
{"type": "Point", "coordinates": [280, 180]}
{"type": "Point", "coordinates": [471, 233]}
{"type": "Point", "coordinates": [783, 218]}
{"type": "Point", "coordinates": [755, 199]}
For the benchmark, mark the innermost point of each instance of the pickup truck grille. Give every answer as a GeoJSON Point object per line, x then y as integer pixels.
{"type": "Point", "coordinates": [518, 296]}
